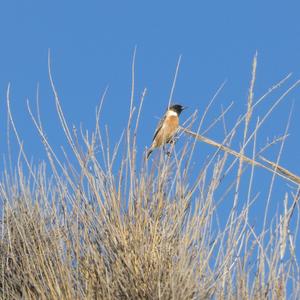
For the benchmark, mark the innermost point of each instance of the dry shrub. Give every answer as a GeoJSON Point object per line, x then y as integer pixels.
{"type": "Point", "coordinates": [145, 231]}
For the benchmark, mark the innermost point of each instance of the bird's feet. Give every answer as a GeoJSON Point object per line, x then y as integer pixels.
{"type": "Point", "coordinates": [173, 141]}
{"type": "Point", "coordinates": [168, 153]}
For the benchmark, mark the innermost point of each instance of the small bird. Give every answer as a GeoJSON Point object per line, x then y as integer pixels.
{"type": "Point", "coordinates": [167, 127]}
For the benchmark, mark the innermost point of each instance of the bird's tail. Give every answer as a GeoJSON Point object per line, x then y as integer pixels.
{"type": "Point", "coordinates": [149, 152]}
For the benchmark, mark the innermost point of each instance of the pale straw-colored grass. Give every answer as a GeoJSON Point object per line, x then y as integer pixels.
{"type": "Point", "coordinates": [149, 230]}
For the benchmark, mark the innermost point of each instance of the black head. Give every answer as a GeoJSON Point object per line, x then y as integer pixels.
{"type": "Point", "coordinates": [177, 108]}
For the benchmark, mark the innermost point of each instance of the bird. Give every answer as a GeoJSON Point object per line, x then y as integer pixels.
{"type": "Point", "coordinates": [167, 128]}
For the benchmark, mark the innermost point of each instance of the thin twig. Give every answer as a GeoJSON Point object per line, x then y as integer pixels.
{"type": "Point", "coordinates": [278, 170]}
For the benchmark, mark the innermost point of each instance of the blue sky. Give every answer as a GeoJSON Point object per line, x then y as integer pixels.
{"type": "Point", "coordinates": [92, 44]}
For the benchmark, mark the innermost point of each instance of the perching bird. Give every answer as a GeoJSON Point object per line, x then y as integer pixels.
{"type": "Point", "coordinates": [166, 128]}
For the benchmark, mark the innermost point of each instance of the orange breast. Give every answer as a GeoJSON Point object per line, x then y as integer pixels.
{"type": "Point", "coordinates": [167, 131]}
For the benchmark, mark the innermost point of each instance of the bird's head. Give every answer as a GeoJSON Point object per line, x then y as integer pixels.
{"type": "Point", "coordinates": [177, 108]}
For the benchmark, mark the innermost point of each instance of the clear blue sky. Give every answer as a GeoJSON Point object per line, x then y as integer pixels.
{"type": "Point", "coordinates": [92, 44]}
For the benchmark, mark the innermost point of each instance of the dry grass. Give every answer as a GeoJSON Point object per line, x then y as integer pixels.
{"type": "Point", "coordinates": [146, 231]}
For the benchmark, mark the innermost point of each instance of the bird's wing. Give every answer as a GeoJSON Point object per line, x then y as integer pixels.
{"type": "Point", "coordinates": [159, 126]}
